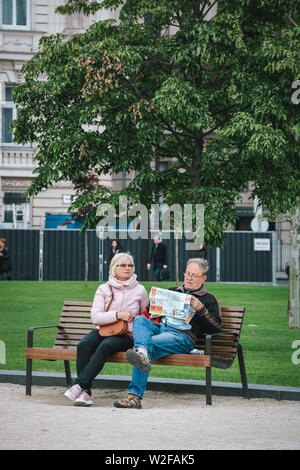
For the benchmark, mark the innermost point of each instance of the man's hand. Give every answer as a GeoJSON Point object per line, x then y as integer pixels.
{"type": "Point", "coordinates": [196, 304]}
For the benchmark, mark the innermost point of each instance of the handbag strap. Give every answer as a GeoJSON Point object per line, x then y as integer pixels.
{"type": "Point", "coordinates": [112, 298]}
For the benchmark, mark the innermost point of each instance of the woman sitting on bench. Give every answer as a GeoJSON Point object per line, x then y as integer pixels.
{"type": "Point", "coordinates": [120, 298]}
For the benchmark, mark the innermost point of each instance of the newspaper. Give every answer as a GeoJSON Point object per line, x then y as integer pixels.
{"type": "Point", "coordinates": [169, 303]}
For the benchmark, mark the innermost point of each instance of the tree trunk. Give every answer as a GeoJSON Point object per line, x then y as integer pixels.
{"type": "Point", "coordinates": [176, 262]}
{"type": "Point", "coordinates": [293, 309]}
{"type": "Point", "coordinates": [199, 146]}
{"type": "Point", "coordinates": [86, 258]}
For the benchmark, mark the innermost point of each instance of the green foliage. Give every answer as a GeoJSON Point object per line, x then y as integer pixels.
{"type": "Point", "coordinates": [211, 95]}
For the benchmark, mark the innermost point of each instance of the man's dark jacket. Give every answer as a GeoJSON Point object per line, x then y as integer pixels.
{"type": "Point", "coordinates": [206, 320]}
{"type": "Point", "coordinates": [158, 255]}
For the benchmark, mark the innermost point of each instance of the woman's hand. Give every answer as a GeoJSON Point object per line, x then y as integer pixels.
{"type": "Point", "coordinates": [125, 315]}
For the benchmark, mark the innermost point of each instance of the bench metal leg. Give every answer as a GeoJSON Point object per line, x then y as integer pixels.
{"type": "Point", "coordinates": [208, 370]}
{"type": "Point", "coordinates": [28, 376]}
{"type": "Point", "coordinates": [208, 386]}
{"type": "Point", "coordinates": [68, 373]}
{"type": "Point", "coordinates": [243, 371]}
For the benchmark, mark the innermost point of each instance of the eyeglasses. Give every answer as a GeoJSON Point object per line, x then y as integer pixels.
{"type": "Point", "coordinates": [125, 265]}
{"type": "Point", "coordinates": [193, 276]}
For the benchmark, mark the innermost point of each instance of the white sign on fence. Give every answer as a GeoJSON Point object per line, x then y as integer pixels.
{"type": "Point", "coordinates": [262, 244]}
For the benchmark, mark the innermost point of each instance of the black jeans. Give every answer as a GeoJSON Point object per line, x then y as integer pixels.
{"type": "Point", "coordinates": [92, 353]}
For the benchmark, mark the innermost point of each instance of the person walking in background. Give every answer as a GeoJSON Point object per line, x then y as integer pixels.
{"type": "Point", "coordinates": [121, 298]}
{"type": "Point", "coordinates": [115, 248]}
{"type": "Point", "coordinates": [5, 263]}
{"type": "Point", "coordinates": [158, 257]}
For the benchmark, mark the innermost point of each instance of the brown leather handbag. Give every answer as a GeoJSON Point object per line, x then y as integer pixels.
{"type": "Point", "coordinates": [118, 328]}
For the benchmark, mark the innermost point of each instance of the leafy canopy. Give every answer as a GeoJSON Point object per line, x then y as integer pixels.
{"type": "Point", "coordinates": [212, 95]}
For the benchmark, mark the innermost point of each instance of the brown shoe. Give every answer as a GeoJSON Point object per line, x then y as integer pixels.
{"type": "Point", "coordinates": [138, 359]}
{"type": "Point", "coordinates": [131, 401]}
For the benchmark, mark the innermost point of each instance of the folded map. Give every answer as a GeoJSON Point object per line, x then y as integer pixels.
{"type": "Point", "coordinates": [169, 303]}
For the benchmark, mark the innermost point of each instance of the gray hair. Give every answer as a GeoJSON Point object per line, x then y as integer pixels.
{"type": "Point", "coordinates": [202, 263]}
{"type": "Point", "coordinates": [117, 259]}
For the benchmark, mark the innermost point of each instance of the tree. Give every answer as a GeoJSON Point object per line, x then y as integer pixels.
{"type": "Point", "coordinates": [211, 94]}
{"type": "Point", "coordinates": [293, 306]}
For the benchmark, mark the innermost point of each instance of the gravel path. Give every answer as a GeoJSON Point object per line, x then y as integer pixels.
{"type": "Point", "coordinates": [47, 420]}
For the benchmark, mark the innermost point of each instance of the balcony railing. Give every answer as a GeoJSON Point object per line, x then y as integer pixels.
{"type": "Point", "coordinates": [17, 159]}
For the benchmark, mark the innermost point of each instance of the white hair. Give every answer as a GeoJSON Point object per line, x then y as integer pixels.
{"type": "Point", "coordinates": [117, 259]}
{"type": "Point", "coordinates": [202, 263]}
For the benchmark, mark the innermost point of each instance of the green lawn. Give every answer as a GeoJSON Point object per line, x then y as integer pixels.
{"type": "Point", "coordinates": [266, 338]}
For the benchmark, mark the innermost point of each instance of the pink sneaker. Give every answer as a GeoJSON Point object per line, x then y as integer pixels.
{"type": "Point", "coordinates": [73, 392]}
{"type": "Point", "coordinates": [84, 399]}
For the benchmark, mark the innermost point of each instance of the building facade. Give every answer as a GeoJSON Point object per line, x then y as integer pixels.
{"type": "Point", "coordinates": [22, 24]}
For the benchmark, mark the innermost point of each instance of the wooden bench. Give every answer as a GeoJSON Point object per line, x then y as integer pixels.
{"type": "Point", "coordinates": [75, 322]}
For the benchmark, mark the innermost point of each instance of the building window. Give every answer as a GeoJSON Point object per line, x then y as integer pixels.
{"type": "Point", "coordinates": [15, 14]}
{"type": "Point", "coordinates": [7, 117]}
{"type": "Point", "coordinates": [15, 209]}
{"type": "Point", "coordinates": [161, 166]}
{"type": "Point", "coordinates": [9, 113]}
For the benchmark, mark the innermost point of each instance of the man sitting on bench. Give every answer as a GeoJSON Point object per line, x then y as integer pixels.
{"type": "Point", "coordinates": [172, 335]}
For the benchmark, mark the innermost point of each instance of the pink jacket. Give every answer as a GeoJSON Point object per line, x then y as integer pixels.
{"type": "Point", "coordinates": [128, 295]}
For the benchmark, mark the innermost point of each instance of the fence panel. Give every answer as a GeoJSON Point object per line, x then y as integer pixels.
{"type": "Point", "coordinates": [93, 255]}
{"type": "Point", "coordinates": [241, 262]}
{"type": "Point", "coordinates": [63, 256]}
{"type": "Point", "coordinates": [23, 246]}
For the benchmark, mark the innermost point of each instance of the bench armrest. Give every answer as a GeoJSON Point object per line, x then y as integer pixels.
{"type": "Point", "coordinates": [208, 338]}
{"type": "Point", "coordinates": [31, 330]}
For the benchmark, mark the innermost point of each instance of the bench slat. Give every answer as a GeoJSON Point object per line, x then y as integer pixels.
{"type": "Point", "coordinates": [84, 309]}
{"type": "Point", "coordinates": [74, 335]}
{"type": "Point", "coordinates": [78, 302]}
{"type": "Point", "coordinates": [76, 314]}
{"type": "Point", "coordinates": [65, 321]}
{"type": "Point", "coordinates": [51, 353]}
{"type": "Point", "coordinates": [70, 354]}
{"type": "Point", "coordinates": [77, 330]}
{"type": "Point", "coordinates": [171, 359]}
{"type": "Point", "coordinates": [67, 343]}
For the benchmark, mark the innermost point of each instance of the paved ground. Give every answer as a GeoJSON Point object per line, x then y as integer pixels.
{"type": "Point", "coordinates": [48, 420]}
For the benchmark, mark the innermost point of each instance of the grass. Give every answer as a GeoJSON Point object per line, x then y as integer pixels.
{"type": "Point", "coordinates": [266, 338]}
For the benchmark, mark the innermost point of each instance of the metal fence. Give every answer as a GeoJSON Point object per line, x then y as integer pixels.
{"type": "Point", "coordinates": [60, 255]}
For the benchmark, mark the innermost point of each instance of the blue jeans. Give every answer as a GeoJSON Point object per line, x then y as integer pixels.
{"type": "Point", "coordinates": [157, 273]}
{"type": "Point", "coordinates": [159, 342]}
